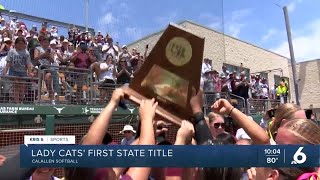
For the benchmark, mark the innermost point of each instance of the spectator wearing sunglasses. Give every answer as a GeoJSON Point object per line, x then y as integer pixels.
{"type": "Point", "coordinates": [128, 132]}
{"type": "Point", "coordinates": [216, 124]}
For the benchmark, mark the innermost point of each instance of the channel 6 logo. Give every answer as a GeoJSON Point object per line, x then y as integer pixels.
{"type": "Point", "coordinates": [299, 157]}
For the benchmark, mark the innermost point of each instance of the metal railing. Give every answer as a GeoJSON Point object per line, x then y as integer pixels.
{"type": "Point", "coordinates": [210, 98]}
{"type": "Point", "coordinates": [259, 106]}
{"type": "Point", "coordinates": [65, 85]}
{"type": "Point", "coordinates": [18, 90]}
{"type": "Point", "coordinates": [238, 102]}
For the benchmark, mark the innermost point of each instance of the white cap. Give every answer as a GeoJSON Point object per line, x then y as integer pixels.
{"type": "Point", "coordinates": [127, 128]}
{"type": "Point", "coordinates": [241, 134]}
{"type": "Point", "coordinates": [6, 39]}
{"type": "Point", "coordinates": [53, 42]}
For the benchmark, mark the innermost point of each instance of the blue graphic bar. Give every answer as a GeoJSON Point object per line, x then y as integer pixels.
{"type": "Point", "coordinates": [169, 156]}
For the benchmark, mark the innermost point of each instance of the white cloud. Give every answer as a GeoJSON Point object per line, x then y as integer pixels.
{"type": "Point", "coordinates": [115, 21]}
{"type": "Point", "coordinates": [214, 22]}
{"type": "Point", "coordinates": [270, 34]}
{"type": "Point", "coordinates": [293, 5]}
{"type": "Point", "coordinates": [306, 44]}
{"type": "Point", "coordinates": [236, 22]}
{"type": "Point", "coordinates": [108, 19]}
{"type": "Point", "coordinates": [234, 29]}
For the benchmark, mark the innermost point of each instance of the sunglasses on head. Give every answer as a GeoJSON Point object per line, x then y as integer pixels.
{"type": "Point", "coordinates": [126, 132]}
{"type": "Point", "coordinates": [217, 125]}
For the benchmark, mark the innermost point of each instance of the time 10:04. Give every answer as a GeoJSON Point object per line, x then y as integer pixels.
{"type": "Point", "coordinates": [272, 151]}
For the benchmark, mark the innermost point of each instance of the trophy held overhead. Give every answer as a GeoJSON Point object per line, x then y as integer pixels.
{"type": "Point", "coordinates": [170, 74]}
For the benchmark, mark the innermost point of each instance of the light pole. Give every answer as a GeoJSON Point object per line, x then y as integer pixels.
{"type": "Point", "coordinates": [86, 14]}
{"type": "Point", "coordinates": [293, 61]}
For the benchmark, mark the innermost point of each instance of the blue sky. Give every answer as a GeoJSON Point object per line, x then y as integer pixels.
{"type": "Point", "coordinates": [258, 22]}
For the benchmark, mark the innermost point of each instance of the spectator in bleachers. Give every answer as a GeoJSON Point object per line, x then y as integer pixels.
{"type": "Point", "coordinates": [3, 24]}
{"type": "Point", "coordinates": [233, 80]}
{"type": "Point", "coordinates": [19, 65]}
{"type": "Point", "coordinates": [282, 92]}
{"type": "Point", "coordinates": [243, 86]}
{"type": "Point", "coordinates": [110, 48]}
{"type": "Point", "coordinates": [128, 133]}
{"type": "Point", "coordinates": [225, 71]}
{"type": "Point", "coordinates": [217, 81]}
{"type": "Point", "coordinates": [32, 90]}
{"type": "Point", "coordinates": [57, 59]}
{"type": "Point", "coordinates": [264, 89]}
{"type": "Point", "coordinates": [82, 60]}
{"type": "Point", "coordinates": [107, 77]}
{"type": "Point", "coordinates": [205, 66]}
{"type": "Point", "coordinates": [43, 56]}
{"type": "Point", "coordinates": [13, 23]}
{"type": "Point", "coordinates": [5, 34]}
{"type": "Point", "coordinates": [256, 87]}
{"type": "Point", "coordinates": [126, 55]}
{"type": "Point", "coordinates": [225, 84]}
{"type": "Point", "coordinates": [123, 72]}
{"type": "Point", "coordinates": [208, 85]}
{"type": "Point", "coordinates": [54, 32]}
{"type": "Point", "coordinates": [33, 42]}
{"type": "Point", "coordinates": [24, 30]}
{"type": "Point", "coordinates": [5, 46]}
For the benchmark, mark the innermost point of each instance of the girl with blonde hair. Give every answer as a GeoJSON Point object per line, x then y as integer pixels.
{"type": "Point", "coordinates": [283, 114]}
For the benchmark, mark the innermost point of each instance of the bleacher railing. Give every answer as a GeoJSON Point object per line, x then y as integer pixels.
{"type": "Point", "coordinates": [18, 90]}
{"type": "Point", "coordinates": [75, 86]}
{"type": "Point", "coordinates": [238, 102]}
{"type": "Point", "coordinates": [259, 106]}
{"type": "Point", "coordinates": [65, 85]}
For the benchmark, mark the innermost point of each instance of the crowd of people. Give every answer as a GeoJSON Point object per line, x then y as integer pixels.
{"type": "Point", "coordinates": [28, 53]}
{"type": "Point", "coordinates": [241, 84]}
{"type": "Point", "coordinates": [289, 125]}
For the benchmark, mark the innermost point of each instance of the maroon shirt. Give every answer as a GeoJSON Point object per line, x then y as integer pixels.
{"type": "Point", "coordinates": [82, 61]}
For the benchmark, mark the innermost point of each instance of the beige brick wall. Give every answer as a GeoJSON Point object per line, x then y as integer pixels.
{"type": "Point", "coordinates": [225, 49]}
{"type": "Point", "coordinates": [309, 83]}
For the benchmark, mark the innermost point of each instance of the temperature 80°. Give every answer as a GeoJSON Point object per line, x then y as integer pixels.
{"type": "Point", "coordinates": [272, 160]}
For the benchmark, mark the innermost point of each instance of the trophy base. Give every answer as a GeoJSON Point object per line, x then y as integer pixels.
{"type": "Point", "coordinates": [137, 98]}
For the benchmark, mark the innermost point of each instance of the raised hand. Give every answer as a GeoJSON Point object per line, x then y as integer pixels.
{"type": "Point", "coordinates": [196, 101]}
{"type": "Point", "coordinates": [160, 127]}
{"type": "Point", "coordinates": [185, 133]}
{"type": "Point", "coordinates": [252, 174]}
{"type": "Point", "coordinates": [222, 106]}
{"type": "Point", "coordinates": [147, 110]}
{"type": "Point", "coordinates": [116, 96]}
{"type": "Point", "coordinates": [2, 160]}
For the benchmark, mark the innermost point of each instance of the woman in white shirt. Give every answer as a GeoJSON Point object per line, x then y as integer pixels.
{"type": "Point", "coordinates": [107, 77]}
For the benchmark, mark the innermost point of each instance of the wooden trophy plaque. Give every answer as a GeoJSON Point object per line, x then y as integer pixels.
{"type": "Point", "coordinates": [170, 74]}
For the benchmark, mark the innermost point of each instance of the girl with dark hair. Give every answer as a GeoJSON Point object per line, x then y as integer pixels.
{"type": "Point", "coordinates": [17, 61]}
